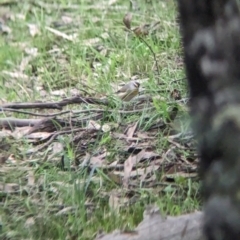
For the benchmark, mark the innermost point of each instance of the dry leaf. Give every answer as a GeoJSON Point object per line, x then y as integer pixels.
{"type": "Point", "coordinates": [33, 29]}
{"type": "Point", "coordinates": [93, 125]}
{"type": "Point", "coordinates": [17, 75]}
{"type": "Point", "coordinates": [133, 161]}
{"type": "Point", "coordinates": [173, 169]}
{"type": "Point", "coordinates": [115, 177]}
{"type": "Point", "coordinates": [98, 160]}
{"type": "Point", "coordinates": [150, 211]}
{"type": "Point", "coordinates": [39, 135]}
{"type": "Point", "coordinates": [29, 222]}
{"type": "Point", "coordinates": [4, 133]}
{"type": "Point", "coordinates": [5, 29]}
{"type": "Point", "coordinates": [72, 37]}
{"type": "Point", "coordinates": [113, 202]}
{"type": "Point", "coordinates": [149, 171]}
{"type": "Point", "coordinates": [91, 41]}
{"type": "Point", "coordinates": [20, 16]}
{"type": "Point", "coordinates": [131, 130]}
{"type": "Point", "coordinates": [59, 92]}
{"type": "Point", "coordinates": [25, 63]}
{"type": "Point", "coordinates": [31, 179]}
{"type": "Point", "coordinates": [57, 147]}
{"type": "Point", "coordinates": [12, 159]}
{"type": "Point", "coordinates": [106, 128]}
{"type": "Point", "coordinates": [31, 51]}
{"type": "Point", "coordinates": [117, 200]}
{"type": "Point", "coordinates": [66, 19]}
{"type": "Point", "coordinates": [128, 165]}
{"type": "Point", "coordinates": [138, 172]}
{"type": "Point", "coordinates": [65, 211]}
{"type": "Point", "coordinates": [150, 155]}
{"type": "Point", "coordinates": [141, 30]}
{"type": "Point", "coordinates": [127, 20]}
{"type": "Point", "coordinates": [141, 171]}
{"type": "Point", "coordinates": [20, 132]}
{"type": "Point", "coordinates": [9, 188]}
{"type": "Point", "coordinates": [111, 2]}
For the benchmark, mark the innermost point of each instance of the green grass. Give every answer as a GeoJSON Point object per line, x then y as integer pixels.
{"type": "Point", "coordinates": [52, 201]}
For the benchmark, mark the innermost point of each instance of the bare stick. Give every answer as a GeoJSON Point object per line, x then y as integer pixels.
{"type": "Point", "coordinates": [54, 105]}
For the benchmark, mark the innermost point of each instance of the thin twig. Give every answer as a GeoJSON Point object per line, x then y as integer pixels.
{"type": "Point", "coordinates": [35, 123]}
{"type": "Point", "coordinates": [177, 144]}
{"type": "Point", "coordinates": [15, 122]}
{"type": "Point", "coordinates": [54, 135]}
{"type": "Point", "coordinates": [34, 114]}
{"type": "Point", "coordinates": [113, 111]}
{"type": "Point", "coordinates": [55, 105]}
{"type": "Point", "coordinates": [153, 53]}
{"type": "Point", "coordinates": [74, 112]}
{"type": "Point", "coordinates": [179, 79]}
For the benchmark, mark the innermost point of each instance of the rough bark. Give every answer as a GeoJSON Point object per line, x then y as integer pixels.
{"type": "Point", "coordinates": [211, 39]}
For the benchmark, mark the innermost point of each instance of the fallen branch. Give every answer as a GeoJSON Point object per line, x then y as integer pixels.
{"type": "Point", "coordinates": [76, 112]}
{"type": "Point", "coordinates": [54, 105]}
{"type": "Point", "coordinates": [35, 114]}
{"type": "Point", "coordinates": [53, 137]}
{"type": "Point", "coordinates": [15, 122]}
{"type": "Point", "coordinates": [42, 123]}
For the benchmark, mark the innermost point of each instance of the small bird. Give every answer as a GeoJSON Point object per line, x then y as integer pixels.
{"type": "Point", "coordinates": [128, 91]}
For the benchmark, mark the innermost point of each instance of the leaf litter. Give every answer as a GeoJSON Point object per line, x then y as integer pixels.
{"type": "Point", "coordinates": [126, 153]}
